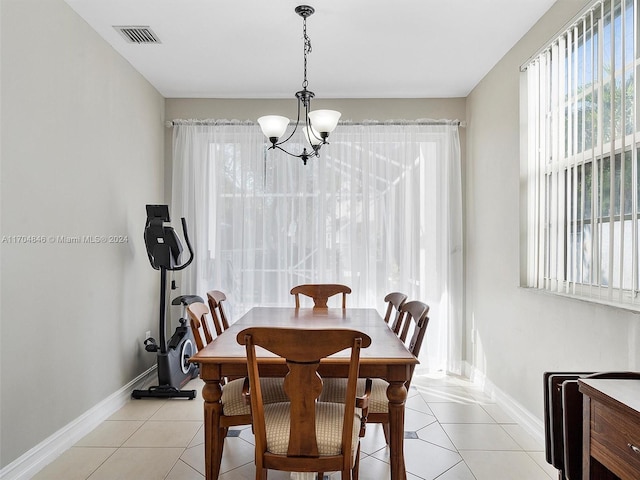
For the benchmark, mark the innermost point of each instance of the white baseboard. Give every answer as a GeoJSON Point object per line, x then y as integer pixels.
{"type": "Point", "coordinates": [533, 425]}
{"type": "Point", "coordinates": [34, 460]}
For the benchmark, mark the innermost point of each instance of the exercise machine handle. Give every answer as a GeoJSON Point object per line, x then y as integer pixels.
{"type": "Point", "coordinates": [186, 239]}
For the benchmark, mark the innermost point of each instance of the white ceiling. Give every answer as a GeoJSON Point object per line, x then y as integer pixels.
{"type": "Point", "coordinates": [360, 48]}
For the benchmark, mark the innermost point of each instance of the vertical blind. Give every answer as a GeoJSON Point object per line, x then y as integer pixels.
{"type": "Point", "coordinates": [582, 142]}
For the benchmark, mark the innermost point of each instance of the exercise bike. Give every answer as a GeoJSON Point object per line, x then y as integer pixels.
{"type": "Point", "coordinates": [174, 369]}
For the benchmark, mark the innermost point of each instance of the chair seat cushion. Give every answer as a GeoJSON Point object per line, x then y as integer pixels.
{"type": "Point", "coordinates": [329, 419]}
{"type": "Point", "coordinates": [233, 402]}
{"type": "Point", "coordinates": [335, 389]}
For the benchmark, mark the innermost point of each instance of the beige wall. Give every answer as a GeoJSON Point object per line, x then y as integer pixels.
{"type": "Point", "coordinates": [516, 334]}
{"type": "Point", "coordinates": [82, 152]}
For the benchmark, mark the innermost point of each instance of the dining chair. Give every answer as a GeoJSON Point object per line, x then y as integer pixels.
{"type": "Point", "coordinates": [320, 293]}
{"type": "Point", "coordinates": [303, 434]}
{"type": "Point", "coordinates": [215, 299]}
{"type": "Point", "coordinates": [236, 409]}
{"type": "Point", "coordinates": [413, 318]}
{"type": "Point", "coordinates": [200, 327]}
{"type": "Point", "coordinates": [394, 301]}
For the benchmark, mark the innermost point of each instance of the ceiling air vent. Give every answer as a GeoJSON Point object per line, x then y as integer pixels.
{"type": "Point", "coordinates": [137, 34]}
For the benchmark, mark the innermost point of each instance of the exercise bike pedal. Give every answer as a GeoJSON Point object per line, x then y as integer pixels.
{"type": "Point", "coordinates": [150, 345]}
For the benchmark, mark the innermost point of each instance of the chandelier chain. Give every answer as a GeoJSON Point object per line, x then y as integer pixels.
{"type": "Point", "coordinates": [307, 50]}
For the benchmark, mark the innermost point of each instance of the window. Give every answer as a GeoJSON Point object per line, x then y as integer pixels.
{"type": "Point", "coordinates": [583, 145]}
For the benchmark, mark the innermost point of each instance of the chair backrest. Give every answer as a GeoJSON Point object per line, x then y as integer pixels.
{"type": "Point", "coordinates": [197, 313]}
{"type": "Point", "coordinates": [302, 384]}
{"type": "Point", "coordinates": [320, 292]}
{"type": "Point", "coordinates": [394, 300]}
{"type": "Point", "coordinates": [215, 299]}
{"type": "Point", "coordinates": [413, 316]}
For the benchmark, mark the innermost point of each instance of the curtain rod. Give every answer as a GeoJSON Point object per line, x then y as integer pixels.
{"type": "Point", "coordinates": [205, 122]}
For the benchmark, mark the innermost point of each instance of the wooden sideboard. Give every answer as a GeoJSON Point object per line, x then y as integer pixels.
{"type": "Point", "coordinates": [611, 431]}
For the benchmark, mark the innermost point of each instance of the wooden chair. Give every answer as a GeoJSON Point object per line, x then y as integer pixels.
{"type": "Point", "coordinates": [287, 436]}
{"type": "Point", "coordinates": [320, 292]}
{"type": "Point", "coordinates": [394, 302]}
{"type": "Point", "coordinates": [236, 409]}
{"type": "Point", "coordinates": [412, 314]}
{"type": "Point", "coordinates": [215, 299]}
{"type": "Point", "coordinates": [197, 313]}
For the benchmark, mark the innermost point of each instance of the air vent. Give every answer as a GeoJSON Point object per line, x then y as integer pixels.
{"type": "Point", "coordinates": [137, 34]}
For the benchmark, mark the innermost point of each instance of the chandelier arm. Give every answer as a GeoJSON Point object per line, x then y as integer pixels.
{"type": "Point", "coordinates": [314, 153]}
{"type": "Point", "coordinates": [295, 127]}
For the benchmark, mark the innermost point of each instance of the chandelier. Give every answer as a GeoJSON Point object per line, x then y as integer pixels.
{"type": "Point", "coordinates": [318, 124]}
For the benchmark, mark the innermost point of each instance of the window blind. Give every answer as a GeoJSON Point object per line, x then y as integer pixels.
{"type": "Point", "coordinates": [582, 148]}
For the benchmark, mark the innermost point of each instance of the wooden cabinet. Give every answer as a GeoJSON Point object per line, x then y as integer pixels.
{"type": "Point", "coordinates": [611, 432]}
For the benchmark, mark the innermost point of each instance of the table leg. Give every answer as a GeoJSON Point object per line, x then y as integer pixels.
{"type": "Point", "coordinates": [396, 394]}
{"type": "Point", "coordinates": [212, 393]}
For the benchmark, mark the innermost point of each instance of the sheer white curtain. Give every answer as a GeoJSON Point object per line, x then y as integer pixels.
{"type": "Point", "coordinates": [380, 211]}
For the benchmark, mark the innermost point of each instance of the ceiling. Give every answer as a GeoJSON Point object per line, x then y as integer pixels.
{"type": "Point", "coordinates": [360, 48]}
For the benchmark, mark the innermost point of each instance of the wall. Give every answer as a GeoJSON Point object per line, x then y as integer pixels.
{"type": "Point", "coordinates": [516, 334]}
{"type": "Point", "coordinates": [82, 153]}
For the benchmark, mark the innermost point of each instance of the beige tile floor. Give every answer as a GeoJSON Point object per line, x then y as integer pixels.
{"type": "Point", "coordinates": [453, 433]}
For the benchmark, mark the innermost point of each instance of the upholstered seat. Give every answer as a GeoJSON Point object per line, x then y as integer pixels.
{"type": "Point", "coordinates": [234, 393]}
{"type": "Point", "coordinates": [334, 390]}
{"type": "Point", "coordinates": [329, 418]}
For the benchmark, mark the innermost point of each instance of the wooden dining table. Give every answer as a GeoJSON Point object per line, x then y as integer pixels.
{"type": "Point", "coordinates": [385, 358]}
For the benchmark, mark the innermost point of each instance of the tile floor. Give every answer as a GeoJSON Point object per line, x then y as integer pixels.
{"type": "Point", "coordinates": [453, 432]}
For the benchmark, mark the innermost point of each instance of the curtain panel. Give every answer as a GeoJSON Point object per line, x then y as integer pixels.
{"type": "Point", "coordinates": [380, 211]}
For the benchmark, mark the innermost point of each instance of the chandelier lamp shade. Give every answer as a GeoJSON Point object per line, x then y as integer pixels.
{"type": "Point", "coordinates": [316, 125]}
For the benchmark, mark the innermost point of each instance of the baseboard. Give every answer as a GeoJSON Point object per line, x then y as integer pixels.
{"type": "Point", "coordinates": [533, 425]}
{"type": "Point", "coordinates": [34, 460]}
